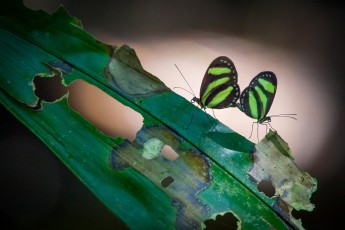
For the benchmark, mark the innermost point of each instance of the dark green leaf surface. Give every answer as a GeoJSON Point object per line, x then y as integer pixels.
{"type": "Point", "coordinates": [211, 174]}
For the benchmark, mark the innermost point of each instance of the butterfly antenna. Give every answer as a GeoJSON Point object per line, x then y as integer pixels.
{"type": "Point", "coordinates": [184, 90]}
{"type": "Point", "coordinates": [185, 81]}
{"type": "Point", "coordinates": [289, 115]}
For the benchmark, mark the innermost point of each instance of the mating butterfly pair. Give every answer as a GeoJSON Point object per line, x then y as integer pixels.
{"type": "Point", "coordinates": [219, 89]}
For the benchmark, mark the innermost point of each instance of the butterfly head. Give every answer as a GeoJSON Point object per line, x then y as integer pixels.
{"type": "Point", "coordinates": [265, 119]}
{"type": "Point", "coordinates": [198, 101]}
{"type": "Point", "coordinates": [195, 99]}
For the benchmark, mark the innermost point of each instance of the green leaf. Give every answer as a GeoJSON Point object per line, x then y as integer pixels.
{"type": "Point", "coordinates": [215, 172]}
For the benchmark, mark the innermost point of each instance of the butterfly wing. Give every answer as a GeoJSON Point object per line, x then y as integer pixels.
{"type": "Point", "coordinates": [219, 88]}
{"type": "Point", "coordinates": [257, 98]}
{"type": "Point", "coordinates": [222, 96]}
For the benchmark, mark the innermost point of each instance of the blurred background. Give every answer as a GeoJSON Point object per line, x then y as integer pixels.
{"type": "Point", "coordinates": [301, 42]}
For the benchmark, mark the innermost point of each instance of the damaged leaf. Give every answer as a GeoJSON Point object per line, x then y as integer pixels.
{"type": "Point", "coordinates": [272, 162]}
{"type": "Point", "coordinates": [216, 171]}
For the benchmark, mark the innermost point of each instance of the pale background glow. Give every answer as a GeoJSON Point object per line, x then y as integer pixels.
{"type": "Point", "coordinates": [302, 42]}
{"type": "Point", "coordinates": [298, 89]}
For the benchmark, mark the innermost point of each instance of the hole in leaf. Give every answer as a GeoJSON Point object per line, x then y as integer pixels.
{"type": "Point", "coordinates": [104, 112]}
{"type": "Point", "coordinates": [169, 153]}
{"type": "Point", "coordinates": [266, 187]}
{"type": "Point", "coordinates": [226, 221]}
{"type": "Point", "coordinates": [167, 181]}
{"type": "Point", "coordinates": [301, 214]}
{"type": "Point", "coordinates": [49, 87]}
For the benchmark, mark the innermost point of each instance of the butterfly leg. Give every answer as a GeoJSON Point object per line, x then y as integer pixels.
{"type": "Point", "coordinates": [214, 115]}
{"type": "Point", "coordinates": [214, 127]}
{"type": "Point", "coordinates": [267, 124]}
{"type": "Point", "coordinates": [257, 131]}
{"type": "Point", "coordinates": [266, 128]}
{"type": "Point", "coordinates": [190, 122]}
{"type": "Point", "coordinates": [207, 115]}
{"type": "Point", "coordinates": [270, 126]}
{"type": "Point", "coordinates": [251, 132]}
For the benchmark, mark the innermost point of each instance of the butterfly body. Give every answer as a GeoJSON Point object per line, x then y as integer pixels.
{"type": "Point", "coordinates": [256, 100]}
{"type": "Point", "coordinates": [219, 88]}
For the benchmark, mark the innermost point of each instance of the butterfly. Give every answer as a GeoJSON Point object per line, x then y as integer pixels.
{"type": "Point", "coordinates": [219, 88]}
{"type": "Point", "coordinates": [256, 100]}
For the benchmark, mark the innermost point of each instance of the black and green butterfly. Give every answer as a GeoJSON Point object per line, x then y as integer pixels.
{"type": "Point", "coordinates": [219, 88]}
{"type": "Point", "coordinates": [257, 98]}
